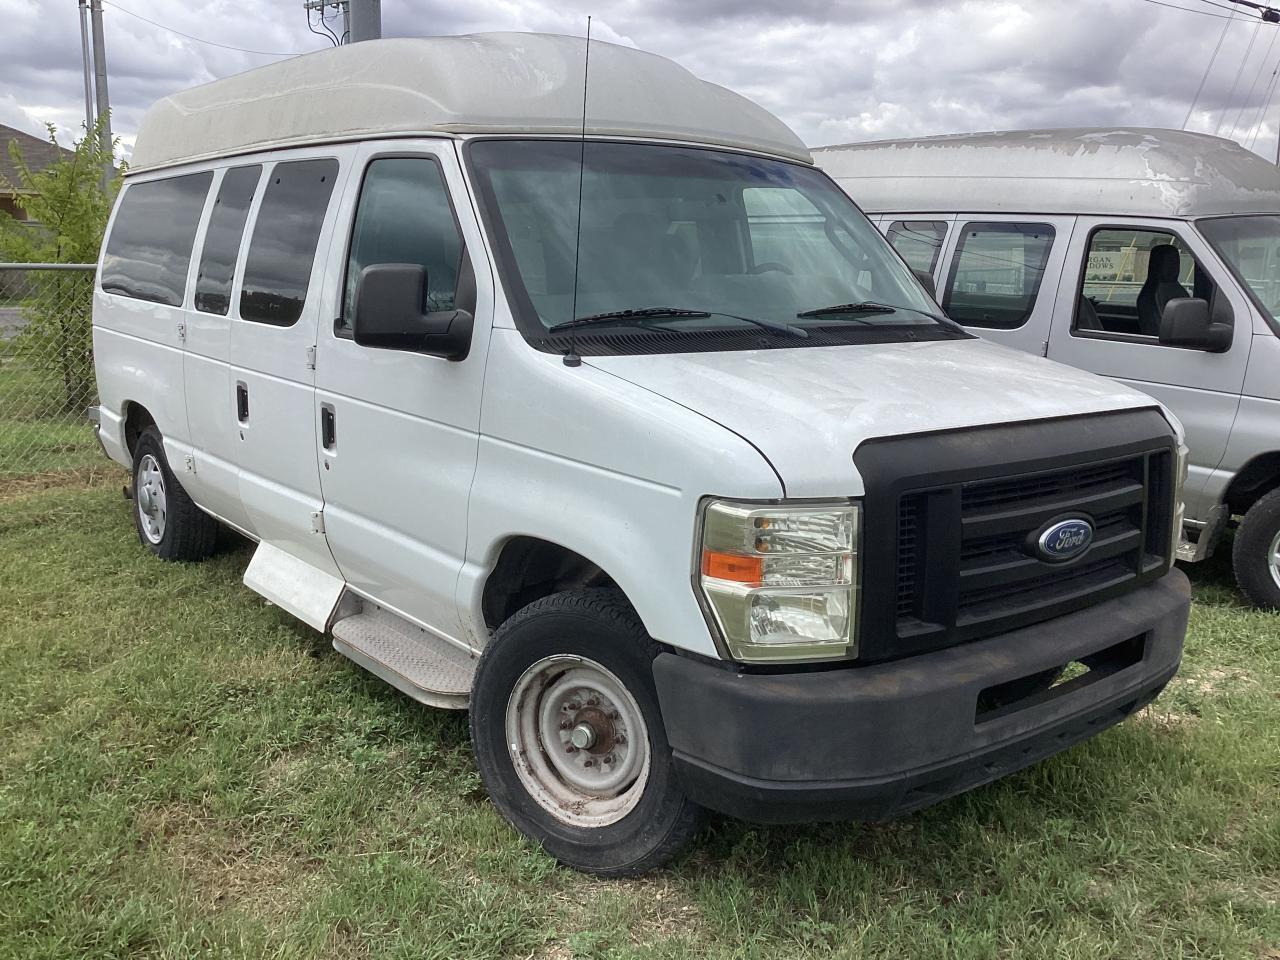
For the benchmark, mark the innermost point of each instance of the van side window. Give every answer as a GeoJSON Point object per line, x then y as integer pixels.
{"type": "Point", "coordinates": [149, 249]}
{"type": "Point", "coordinates": [404, 216]}
{"type": "Point", "coordinates": [222, 239]}
{"type": "Point", "coordinates": [996, 273]}
{"type": "Point", "coordinates": [278, 268]}
{"type": "Point", "coordinates": [918, 241]}
{"type": "Point", "coordinates": [1129, 276]}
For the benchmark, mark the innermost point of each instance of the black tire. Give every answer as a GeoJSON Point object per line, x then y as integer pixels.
{"type": "Point", "coordinates": [1252, 553]}
{"type": "Point", "coordinates": [600, 625]}
{"type": "Point", "coordinates": [189, 534]}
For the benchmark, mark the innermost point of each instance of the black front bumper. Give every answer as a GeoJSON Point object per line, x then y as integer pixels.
{"type": "Point", "coordinates": [872, 742]}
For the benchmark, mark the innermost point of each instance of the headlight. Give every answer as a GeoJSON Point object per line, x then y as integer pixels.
{"type": "Point", "coordinates": [781, 581]}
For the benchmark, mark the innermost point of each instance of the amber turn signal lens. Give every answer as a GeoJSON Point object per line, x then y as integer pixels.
{"type": "Point", "coordinates": [732, 566]}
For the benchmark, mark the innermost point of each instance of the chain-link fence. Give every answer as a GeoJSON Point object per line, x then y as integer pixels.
{"type": "Point", "coordinates": [46, 368]}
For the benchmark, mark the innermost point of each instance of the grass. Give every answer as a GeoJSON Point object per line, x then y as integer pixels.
{"type": "Point", "coordinates": [185, 771]}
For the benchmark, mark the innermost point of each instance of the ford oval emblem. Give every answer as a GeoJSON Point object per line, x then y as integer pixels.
{"type": "Point", "coordinates": [1065, 540]}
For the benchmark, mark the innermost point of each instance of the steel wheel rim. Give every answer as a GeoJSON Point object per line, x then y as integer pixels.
{"type": "Point", "coordinates": [592, 785]}
{"type": "Point", "coordinates": [1273, 559]}
{"type": "Point", "coordinates": [152, 501]}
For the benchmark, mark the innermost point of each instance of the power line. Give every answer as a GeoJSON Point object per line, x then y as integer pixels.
{"type": "Point", "coordinates": [318, 6]}
{"type": "Point", "coordinates": [1236, 82]}
{"type": "Point", "coordinates": [1212, 59]}
{"type": "Point", "coordinates": [1267, 13]}
{"type": "Point", "coordinates": [1260, 116]}
{"type": "Point", "coordinates": [1203, 13]}
{"type": "Point", "coordinates": [1257, 75]}
{"type": "Point", "coordinates": [1264, 106]}
{"type": "Point", "coordinates": [212, 43]}
{"type": "Point", "coordinates": [1223, 6]}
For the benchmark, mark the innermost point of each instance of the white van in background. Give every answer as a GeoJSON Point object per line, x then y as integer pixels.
{"type": "Point", "coordinates": [1150, 256]}
{"type": "Point", "coordinates": [683, 489]}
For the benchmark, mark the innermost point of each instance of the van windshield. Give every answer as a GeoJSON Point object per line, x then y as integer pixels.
{"type": "Point", "coordinates": [1251, 247]}
{"type": "Point", "coordinates": [689, 243]}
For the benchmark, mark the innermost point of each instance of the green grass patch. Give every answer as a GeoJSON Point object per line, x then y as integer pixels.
{"type": "Point", "coordinates": [186, 771]}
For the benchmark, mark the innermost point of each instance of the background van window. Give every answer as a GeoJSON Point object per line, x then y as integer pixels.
{"type": "Point", "coordinates": [1129, 277]}
{"type": "Point", "coordinates": [996, 273]}
{"type": "Point", "coordinates": [918, 241]}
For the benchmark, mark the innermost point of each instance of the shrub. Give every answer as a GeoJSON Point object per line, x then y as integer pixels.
{"type": "Point", "coordinates": [70, 203]}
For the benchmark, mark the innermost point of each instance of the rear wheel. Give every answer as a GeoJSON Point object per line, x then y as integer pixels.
{"type": "Point", "coordinates": [1256, 553]}
{"type": "Point", "coordinates": [169, 524]}
{"type": "Point", "coordinates": [569, 739]}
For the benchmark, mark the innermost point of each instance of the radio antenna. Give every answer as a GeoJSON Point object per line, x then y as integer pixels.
{"type": "Point", "coordinates": [571, 359]}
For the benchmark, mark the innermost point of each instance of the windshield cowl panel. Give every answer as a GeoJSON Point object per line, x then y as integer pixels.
{"type": "Point", "coordinates": [742, 246]}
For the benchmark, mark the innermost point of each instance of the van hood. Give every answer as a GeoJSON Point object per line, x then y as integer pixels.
{"type": "Point", "coordinates": [807, 410]}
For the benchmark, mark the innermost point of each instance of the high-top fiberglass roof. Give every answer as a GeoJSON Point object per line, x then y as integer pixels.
{"type": "Point", "coordinates": [1104, 171]}
{"type": "Point", "coordinates": [501, 83]}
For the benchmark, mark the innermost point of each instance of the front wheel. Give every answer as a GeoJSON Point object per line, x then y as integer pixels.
{"type": "Point", "coordinates": [1256, 553]}
{"type": "Point", "coordinates": [569, 738]}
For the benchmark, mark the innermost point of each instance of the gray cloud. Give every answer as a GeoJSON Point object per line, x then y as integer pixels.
{"type": "Point", "coordinates": [836, 71]}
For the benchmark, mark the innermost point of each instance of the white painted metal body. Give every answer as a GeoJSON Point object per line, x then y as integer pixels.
{"type": "Point", "coordinates": [438, 464]}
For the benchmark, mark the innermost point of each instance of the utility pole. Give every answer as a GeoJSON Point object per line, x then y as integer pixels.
{"type": "Point", "coordinates": [100, 84]}
{"type": "Point", "coordinates": [88, 67]}
{"type": "Point", "coordinates": [366, 20]}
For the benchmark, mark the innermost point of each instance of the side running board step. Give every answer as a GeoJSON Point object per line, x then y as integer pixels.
{"type": "Point", "coordinates": [418, 663]}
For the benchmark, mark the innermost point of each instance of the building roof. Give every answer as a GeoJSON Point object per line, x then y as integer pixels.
{"type": "Point", "coordinates": [501, 83]}
{"type": "Point", "coordinates": [37, 154]}
{"type": "Point", "coordinates": [1104, 171]}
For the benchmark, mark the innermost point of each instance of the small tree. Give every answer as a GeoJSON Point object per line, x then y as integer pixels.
{"type": "Point", "coordinates": [70, 206]}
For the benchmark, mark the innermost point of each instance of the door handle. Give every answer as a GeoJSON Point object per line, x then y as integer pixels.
{"type": "Point", "coordinates": [242, 402]}
{"type": "Point", "coordinates": [328, 427]}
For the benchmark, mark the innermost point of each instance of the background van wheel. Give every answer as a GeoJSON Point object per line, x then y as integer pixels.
{"type": "Point", "coordinates": [569, 738]}
{"type": "Point", "coordinates": [169, 524]}
{"type": "Point", "coordinates": [1256, 552]}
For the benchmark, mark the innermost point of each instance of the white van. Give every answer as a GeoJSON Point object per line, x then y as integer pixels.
{"type": "Point", "coordinates": [687, 492]}
{"type": "Point", "coordinates": [1151, 256]}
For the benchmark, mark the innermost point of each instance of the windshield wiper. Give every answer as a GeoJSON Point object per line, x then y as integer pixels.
{"type": "Point", "coordinates": [864, 306]}
{"type": "Point", "coordinates": [642, 314]}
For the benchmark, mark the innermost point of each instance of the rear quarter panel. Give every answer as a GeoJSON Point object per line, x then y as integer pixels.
{"type": "Point", "coordinates": [138, 358]}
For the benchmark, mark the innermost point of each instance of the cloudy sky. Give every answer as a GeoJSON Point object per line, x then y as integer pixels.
{"type": "Point", "coordinates": [836, 70]}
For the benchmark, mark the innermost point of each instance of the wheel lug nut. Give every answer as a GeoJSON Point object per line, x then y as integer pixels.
{"type": "Point", "coordinates": [574, 705]}
{"type": "Point", "coordinates": [609, 758]}
{"type": "Point", "coordinates": [613, 715]}
{"type": "Point", "coordinates": [571, 748]}
{"type": "Point", "coordinates": [620, 738]}
{"type": "Point", "coordinates": [566, 724]}
{"type": "Point", "coordinates": [589, 763]}
{"type": "Point", "coordinates": [593, 702]}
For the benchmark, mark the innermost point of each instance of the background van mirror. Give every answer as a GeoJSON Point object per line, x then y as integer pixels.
{"type": "Point", "coordinates": [1186, 322]}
